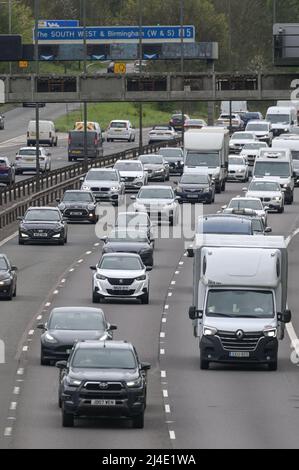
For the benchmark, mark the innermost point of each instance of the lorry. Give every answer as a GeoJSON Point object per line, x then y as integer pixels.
{"type": "Point", "coordinates": [282, 118]}
{"type": "Point", "coordinates": [276, 164]}
{"type": "Point", "coordinates": [291, 142]}
{"type": "Point", "coordinates": [239, 307]}
{"type": "Point", "coordinates": [206, 151]}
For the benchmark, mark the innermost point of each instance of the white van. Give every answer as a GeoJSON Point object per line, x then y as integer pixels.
{"type": "Point", "coordinates": [282, 118]}
{"type": "Point", "coordinates": [291, 142]}
{"type": "Point", "coordinates": [47, 133]}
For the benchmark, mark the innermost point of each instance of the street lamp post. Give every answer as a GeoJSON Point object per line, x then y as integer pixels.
{"type": "Point", "coordinates": [36, 58]}
{"type": "Point", "coordinates": [84, 102]}
{"type": "Point", "coordinates": [140, 67]}
{"type": "Point", "coordinates": [274, 11]}
{"type": "Point", "coordinates": [182, 65]}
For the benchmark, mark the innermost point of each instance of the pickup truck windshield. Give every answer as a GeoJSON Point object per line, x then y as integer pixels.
{"type": "Point", "coordinates": [210, 160]}
{"type": "Point", "coordinates": [281, 169]}
{"type": "Point", "coordinates": [240, 303]}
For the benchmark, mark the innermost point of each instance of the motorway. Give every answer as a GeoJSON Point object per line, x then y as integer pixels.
{"type": "Point", "coordinates": [224, 407]}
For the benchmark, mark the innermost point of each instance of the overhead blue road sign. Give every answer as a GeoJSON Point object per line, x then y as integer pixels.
{"type": "Point", "coordinates": [58, 23]}
{"type": "Point", "coordinates": [115, 34]}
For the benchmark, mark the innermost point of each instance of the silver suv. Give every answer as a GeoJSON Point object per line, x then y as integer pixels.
{"type": "Point", "coordinates": [105, 184]}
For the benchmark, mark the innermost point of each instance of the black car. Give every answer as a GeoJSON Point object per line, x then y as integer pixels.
{"type": "Point", "coordinates": [122, 240]}
{"type": "Point", "coordinates": [7, 171]}
{"type": "Point", "coordinates": [177, 121]}
{"type": "Point", "coordinates": [174, 156]}
{"type": "Point", "coordinates": [8, 278]}
{"type": "Point", "coordinates": [103, 378]}
{"type": "Point", "coordinates": [66, 325]}
{"type": "Point", "coordinates": [2, 121]}
{"type": "Point", "coordinates": [195, 188]}
{"type": "Point", "coordinates": [78, 206]}
{"type": "Point", "coordinates": [42, 225]}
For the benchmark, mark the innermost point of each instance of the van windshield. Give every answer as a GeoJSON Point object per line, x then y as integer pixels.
{"type": "Point", "coordinates": [210, 160]}
{"type": "Point", "coordinates": [240, 303]}
{"type": "Point", "coordinates": [278, 118]}
{"type": "Point", "coordinates": [295, 154]}
{"type": "Point", "coordinates": [281, 169]}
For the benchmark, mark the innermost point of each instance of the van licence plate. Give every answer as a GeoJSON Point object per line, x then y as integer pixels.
{"type": "Point", "coordinates": [103, 402]}
{"type": "Point", "coordinates": [239, 354]}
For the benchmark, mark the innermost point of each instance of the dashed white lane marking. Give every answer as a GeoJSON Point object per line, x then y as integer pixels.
{"type": "Point", "coordinates": [165, 393]}
{"type": "Point", "coordinates": [163, 373]}
{"type": "Point", "coordinates": [8, 238]}
{"type": "Point", "coordinates": [169, 294]}
{"type": "Point", "coordinates": [167, 409]}
{"type": "Point", "coordinates": [164, 320]}
{"type": "Point", "coordinates": [11, 418]}
{"type": "Point", "coordinates": [16, 390]}
{"type": "Point", "coordinates": [166, 307]}
{"type": "Point", "coordinates": [71, 270]}
{"type": "Point", "coordinates": [96, 244]}
{"type": "Point", "coordinates": [80, 260]}
{"type": "Point", "coordinates": [20, 371]}
{"type": "Point", "coordinates": [162, 351]}
{"type": "Point", "coordinates": [177, 272]}
{"type": "Point", "coordinates": [181, 263]}
{"type": "Point", "coordinates": [172, 435]}
{"type": "Point", "coordinates": [63, 281]}
{"type": "Point", "coordinates": [39, 317]}
{"type": "Point", "coordinates": [88, 252]}
{"type": "Point", "coordinates": [162, 334]}
{"type": "Point", "coordinates": [25, 348]}
{"type": "Point", "coordinates": [173, 283]}
{"type": "Point", "coordinates": [48, 304]}
{"type": "Point", "coordinates": [31, 332]}
{"type": "Point", "coordinates": [56, 292]}
{"type": "Point", "coordinates": [13, 405]}
{"type": "Point", "coordinates": [7, 432]}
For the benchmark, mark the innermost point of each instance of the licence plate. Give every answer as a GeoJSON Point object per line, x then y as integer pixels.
{"type": "Point", "coordinates": [238, 354]}
{"type": "Point", "coordinates": [192, 196]}
{"type": "Point", "coordinates": [76, 213]}
{"type": "Point", "coordinates": [40, 235]}
{"type": "Point", "coordinates": [77, 151]}
{"type": "Point", "coordinates": [30, 160]}
{"type": "Point", "coordinates": [103, 402]}
{"type": "Point", "coordinates": [121, 287]}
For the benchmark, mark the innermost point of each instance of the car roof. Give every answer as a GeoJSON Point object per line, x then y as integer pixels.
{"type": "Point", "coordinates": [259, 121]}
{"type": "Point", "coordinates": [119, 120]}
{"type": "Point", "coordinates": [77, 309]}
{"type": "Point", "coordinates": [43, 207]}
{"type": "Point", "coordinates": [156, 186]}
{"type": "Point", "coordinates": [92, 344]}
{"type": "Point", "coordinates": [126, 161]}
{"type": "Point", "coordinates": [136, 214]}
{"type": "Point", "coordinates": [30, 148]}
{"type": "Point", "coordinates": [243, 198]}
{"type": "Point", "coordinates": [102, 170]}
{"type": "Point", "coordinates": [227, 217]}
{"type": "Point", "coordinates": [121, 255]}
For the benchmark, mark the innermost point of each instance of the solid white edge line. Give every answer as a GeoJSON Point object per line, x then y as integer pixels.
{"type": "Point", "coordinates": [8, 238]}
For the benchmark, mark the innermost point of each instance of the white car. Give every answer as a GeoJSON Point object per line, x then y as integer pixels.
{"type": "Point", "coordinates": [194, 124]}
{"type": "Point", "coordinates": [162, 134]}
{"type": "Point", "coordinates": [269, 192]}
{"type": "Point", "coordinates": [155, 166]}
{"type": "Point", "coordinates": [239, 139]}
{"type": "Point", "coordinates": [120, 130]}
{"type": "Point", "coordinates": [240, 203]}
{"type": "Point", "coordinates": [159, 202]}
{"type": "Point", "coordinates": [132, 173]}
{"type": "Point", "coordinates": [26, 160]}
{"type": "Point", "coordinates": [121, 275]}
{"type": "Point", "coordinates": [234, 120]}
{"type": "Point", "coordinates": [250, 152]}
{"type": "Point", "coordinates": [262, 130]}
{"type": "Point", "coordinates": [237, 168]}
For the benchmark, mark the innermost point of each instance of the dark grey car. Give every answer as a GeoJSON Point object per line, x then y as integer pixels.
{"type": "Point", "coordinates": [66, 325]}
{"type": "Point", "coordinates": [8, 278]}
{"type": "Point", "coordinates": [7, 171]}
{"type": "Point", "coordinates": [42, 225]}
{"type": "Point", "coordinates": [78, 206]}
{"type": "Point", "coordinates": [122, 240]}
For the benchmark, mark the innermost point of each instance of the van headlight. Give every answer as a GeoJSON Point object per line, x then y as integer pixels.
{"type": "Point", "coordinates": [270, 333]}
{"type": "Point", "coordinates": [209, 331]}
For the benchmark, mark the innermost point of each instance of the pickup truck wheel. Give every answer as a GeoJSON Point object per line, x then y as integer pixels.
{"type": "Point", "coordinates": [138, 421]}
{"type": "Point", "coordinates": [273, 365]}
{"type": "Point", "coordinates": [67, 419]}
{"type": "Point", "coordinates": [204, 364]}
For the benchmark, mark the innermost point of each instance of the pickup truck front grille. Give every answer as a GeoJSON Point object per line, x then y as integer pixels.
{"type": "Point", "coordinates": [230, 342]}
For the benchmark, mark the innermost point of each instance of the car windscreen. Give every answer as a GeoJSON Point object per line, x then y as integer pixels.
{"type": "Point", "coordinates": [80, 196]}
{"type": "Point", "coordinates": [233, 227]}
{"type": "Point", "coordinates": [128, 166]}
{"type": "Point", "coordinates": [153, 193]}
{"type": "Point", "coordinates": [3, 264]}
{"type": "Point", "coordinates": [94, 175]}
{"type": "Point", "coordinates": [103, 358]}
{"type": "Point", "coordinates": [132, 236]}
{"type": "Point", "coordinates": [281, 169]}
{"type": "Point", "coordinates": [257, 127]}
{"type": "Point", "coordinates": [152, 159]}
{"type": "Point", "coordinates": [295, 154]}
{"type": "Point", "coordinates": [236, 303]}
{"type": "Point", "coordinates": [278, 118]}
{"type": "Point", "coordinates": [264, 186]}
{"type": "Point", "coordinates": [194, 179]}
{"type": "Point", "coordinates": [122, 263]}
{"type": "Point", "coordinates": [242, 136]}
{"type": "Point", "coordinates": [118, 125]}
{"type": "Point", "coordinates": [236, 161]}
{"type": "Point", "coordinates": [76, 321]}
{"type": "Point", "coordinates": [245, 204]}
{"type": "Point", "coordinates": [255, 146]}
{"type": "Point", "coordinates": [40, 215]}
{"type": "Point", "coordinates": [28, 152]}
{"type": "Point", "coordinates": [194, 158]}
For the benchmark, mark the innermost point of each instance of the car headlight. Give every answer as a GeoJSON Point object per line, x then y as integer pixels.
{"type": "Point", "coordinates": [73, 382]}
{"type": "Point", "coordinates": [90, 207]}
{"type": "Point", "coordinates": [141, 278]}
{"type": "Point", "coordinates": [286, 186]}
{"type": "Point", "coordinates": [101, 277]}
{"type": "Point", "coordinates": [85, 187]}
{"type": "Point", "coordinates": [61, 207]}
{"type": "Point", "coordinates": [270, 333]}
{"type": "Point", "coordinates": [114, 188]}
{"type": "Point", "coordinates": [58, 235]}
{"type": "Point", "coordinates": [209, 331]}
{"type": "Point", "coordinates": [5, 282]}
{"type": "Point", "coordinates": [277, 198]}
{"type": "Point", "coordinates": [286, 129]}
{"type": "Point", "coordinates": [24, 235]}
{"type": "Point", "coordinates": [139, 177]}
{"type": "Point", "coordinates": [207, 190]}
{"type": "Point", "coordinates": [135, 383]}
{"type": "Point", "coordinates": [146, 250]}
{"type": "Point", "coordinates": [240, 171]}
{"type": "Point", "coordinates": [50, 339]}
{"type": "Point", "coordinates": [179, 189]}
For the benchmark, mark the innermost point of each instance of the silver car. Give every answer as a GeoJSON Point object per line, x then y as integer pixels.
{"type": "Point", "coordinates": [159, 202]}
{"type": "Point", "coordinates": [269, 192]}
{"type": "Point", "coordinates": [120, 275]}
{"type": "Point", "coordinates": [237, 168]}
{"type": "Point", "coordinates": [241, 203]}
{"type": "Point", "coordinates": [105, 184]}
{"type": "Point", "coordinates": [156, 167]}
{"type": "Point", "coordinates": [26, 160]}
{"type": "Point", "coordinates": [132, 173]}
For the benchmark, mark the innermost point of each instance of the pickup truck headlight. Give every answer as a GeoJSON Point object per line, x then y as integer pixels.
{"type": "Point", "coordinates": [271, 333]}
{"type": "Point", "coordinates": [73, 382]}
{"type": "Point", "coordinates": [209, 331]}
{"type": "Point", "coordinates": [135, 383]}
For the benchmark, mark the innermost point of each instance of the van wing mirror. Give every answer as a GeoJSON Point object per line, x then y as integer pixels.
{"type": "Point", "coordinates": [285, 317]}
{"type": "Point", "coordinates": [194, 313]}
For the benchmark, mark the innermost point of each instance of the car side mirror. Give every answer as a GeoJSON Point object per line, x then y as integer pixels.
{"type": "Point", "coordinates": [149, 268]}
{"type": "Point", "coordinates": [58, 200]}
{"type": "Point", "coordinates": [41, 326]}
{"type": "Point", "coordinates": [93, 268]}
{"type": "Point", "coordinates": [244, 190]}
{"type": "Point", "coordinates": [223, 207]}
{"type": "Point", "coordinates": [190, 252]}
{"type": "Point", "coordinates": [61, 365]}
{"type": "Point", "coordinates": [81, 179]}
{"type": "Point", "coordinates": [112, 327]}
{"type": "Point", "coordinates": [20, 217]}
{"type": "Point", "coordinates": [176, 182]}
{"type": "Point", "coordinates": [194, 313]}
{"type": "Point", "coordinates": [133, 198]}
{"type": "Point", "coordinates": [268, 229]}
{"type": "Point", "coordinates": [14, 268]}
{"type": "Point", "coordinates": [145, 366]}
{"type": "Point", "coordinates": [104, 239]}
{"type": "Point", "coordinates": [285, 317]}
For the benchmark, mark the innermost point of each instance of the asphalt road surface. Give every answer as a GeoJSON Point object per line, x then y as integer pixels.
{"type": "Point", "coordinates": [226, 407]}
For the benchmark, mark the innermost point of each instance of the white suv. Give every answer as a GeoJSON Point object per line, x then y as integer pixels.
{"type": "Point", "coordinates": [132, 173]}
{"type": "Point", "coordinates": [120, 130]}
{"type": "Point", "coordinates": [26, 160]}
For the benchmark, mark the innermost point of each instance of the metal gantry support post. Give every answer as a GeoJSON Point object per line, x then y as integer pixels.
{"type": "Point", "coordinates": [36, 58]}
{"type": "Point", "coordinates": [140, 67]}
{"type": "Point", "coordinates": [182, 67]}
{"type": "Point", "coordinates": [85, 102]}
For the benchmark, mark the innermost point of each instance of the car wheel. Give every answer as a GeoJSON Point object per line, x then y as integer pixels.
{"type": "Point", "coordinates": [204, 365]}
{"type": "Point", "coordinates": [15, 291]}
{"type": "Point", "coordinates": [96, 298]}
{"type": "Point", "coordinates": [138, 421]}
{"type": "Point", "coordinates": [115, 203]}
{"type": "Point", "coordinates": [65, 240]}
{"type": "Point", "coordinates": [171, 221]}
{"type": "Point", "coordinates": [10, 295]}
{"type": "Point", "coordinates": [43, 361]}
{"type": "Point", "coordinates": [145, 298]}
{"type": "Point", "coordinates": [273, 365]}
{"type": "Point", "coordinates": [59, 402]}
{"type": "Point", "coordinates": [56, 142]}
{"type": "Point", "coordinates": [21, 242]}
{"type": "Point", "coordinates": [280, 210]}
{"type": "Point", "coordinates": [70, 159]}
{"type": "Point", "coordinates": [67, 419]}
{"type": "Point", "coordinates": [223, 185]}
{"type": "Point", "coordinates": [61, 242]}
{"type": "Point", "coordinates": [168, 177]}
